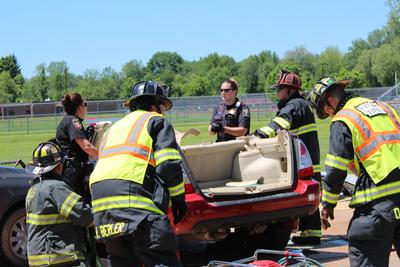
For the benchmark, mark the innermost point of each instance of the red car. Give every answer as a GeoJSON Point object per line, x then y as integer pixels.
{"type": "Point", "coordinates": [251, 187]}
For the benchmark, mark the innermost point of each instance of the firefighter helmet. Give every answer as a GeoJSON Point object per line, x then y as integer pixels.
{"type": "Point", "coordinates": [287, 79]}
{"type": "Point", "coordinates": [316, 97]}
{"type": "Point", "coordinates": [150, 89]}
{"type": "Point", "coordinates": [46, 157]}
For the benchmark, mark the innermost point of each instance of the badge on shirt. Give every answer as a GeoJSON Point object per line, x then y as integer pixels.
{"type": "Point", "coordinates": [371, 109]}
{"type": "Point", "coordinates": [246, 112]}
{"type": "Point", "coordinates": [77, 124]}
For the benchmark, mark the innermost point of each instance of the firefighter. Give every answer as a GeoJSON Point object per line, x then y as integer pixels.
{"type": "Point", "coordinates": [74, 142]}
{"type": "Point", "coordinates": [295, 114]}
{"type": "Point", "coordinates": [56, 217]}
{"type": "Point", "coordinates": [365, 138]}
{"type": "Point", "coordinates": [232, 117]}
{"type": "Point", "coordinates": [136, 177]}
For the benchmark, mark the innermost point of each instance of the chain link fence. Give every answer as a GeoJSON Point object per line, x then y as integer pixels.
{"type": "Point", "coordinates": [44, 117]}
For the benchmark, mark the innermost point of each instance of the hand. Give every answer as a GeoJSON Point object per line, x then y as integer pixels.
{"type": "Point", "coordinates": [90, 130]}
{"type": "Point", "coordinates": [260, 134]}
{"type": "Point", "coordinates": [178, 208]}
{"type": "Point", "coordinates": [326, 213]}
{"type": "Point", "coordinates": [216, 127]}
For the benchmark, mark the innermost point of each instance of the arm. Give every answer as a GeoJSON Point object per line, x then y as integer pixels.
{"type": "Point", "coordinates": [86, 146]}
{"type": "Point", "coordinates": [168, 164]}
{"type": "Point", "coordinates": [210, 132]}
{"type": "Point", "coordinates": [339, 156]}
{"type": "Point", "coordinates": [71, 206]}
{"type": "Point", "coordinates": [235, 131]}
{"type": "Point", "coordinates": [282, 120]}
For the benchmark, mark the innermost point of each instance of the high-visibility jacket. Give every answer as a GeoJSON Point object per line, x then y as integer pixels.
{"type": "Point", "coordinates": [365, 139]}
{"type": "Point", "coordinates": [56, 220]}
{"type": "Point", "coordinates": [375, 130]}
{"type": "Point", "coordinates": [133, 151]}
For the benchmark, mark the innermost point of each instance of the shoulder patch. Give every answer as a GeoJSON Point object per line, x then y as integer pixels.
{"type": "Point", "coordinates": [370, 109]}
{"type": "Point", "coordinates": [77, 124]}
{"type": "Point", "coordinates": [246, 112]}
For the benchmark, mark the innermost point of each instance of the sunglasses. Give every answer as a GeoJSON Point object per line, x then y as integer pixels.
{"type": "Point", "coordinates": [226, 90]}
{"type": "Point", "coordinates": [85, 104]}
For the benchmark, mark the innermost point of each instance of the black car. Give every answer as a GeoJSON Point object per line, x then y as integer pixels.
{"type": "Point", "coordinates": [14, 184]}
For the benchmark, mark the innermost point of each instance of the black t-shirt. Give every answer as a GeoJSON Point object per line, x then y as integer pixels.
{"type": "Point", "coordinates": [70, 128]}
{"type": "Point", "coordinates": [235, 115]}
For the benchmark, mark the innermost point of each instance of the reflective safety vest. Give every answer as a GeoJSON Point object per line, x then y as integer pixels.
{"type": "Point", "coordinates": [375, 130]}
{"type": "Point", "coordinates": [126, 150]}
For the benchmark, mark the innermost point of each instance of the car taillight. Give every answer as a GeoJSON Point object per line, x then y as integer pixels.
{"type": "Point", "coordinates": [305, 166]}
{"type": "Point", "coordinates": [188, 186]}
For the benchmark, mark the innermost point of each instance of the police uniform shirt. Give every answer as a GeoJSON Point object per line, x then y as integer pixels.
{"type": "Point", "coordinates": [241, 118]}
{"type": "Point", "coordinates": [70, 128]}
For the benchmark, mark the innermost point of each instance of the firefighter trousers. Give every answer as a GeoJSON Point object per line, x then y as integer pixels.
{"type": "Point", "coordinates": [370, 238]}
{"type": "Point", "coordinates": [153, 243]}
{"type": "Point", "coordinates": [310, 226]}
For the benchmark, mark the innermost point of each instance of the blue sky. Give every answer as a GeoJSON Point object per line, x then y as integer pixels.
{"type": "Point", "coordinates": [97, 34]}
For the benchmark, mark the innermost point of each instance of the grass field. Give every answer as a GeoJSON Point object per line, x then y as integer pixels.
{"type": "Point", "coordinates": [20, 146]}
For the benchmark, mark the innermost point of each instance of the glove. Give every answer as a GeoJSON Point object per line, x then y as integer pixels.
{"type": "Point", "coordinates": [178, 208]}
{"type": "Point", "coordinates": [260, 134]}
{"type": "Point", "coordinates": [90, 130]}
{"type": "Point", "coordinates": [230, 119]}
{"type": "Point", "coordinates": [216, 127]}
{"type": "Point", "coordinates": [326, 213]}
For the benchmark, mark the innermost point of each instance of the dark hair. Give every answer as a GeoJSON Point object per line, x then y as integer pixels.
{"type": "Point", "coordinates": [232, 83]}
{"type": "Point", "coordinates": [71, 102]}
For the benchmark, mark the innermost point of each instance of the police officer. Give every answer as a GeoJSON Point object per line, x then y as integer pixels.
{"type": "Point", "coordinates": [295, 114]}
{"type": "Point", "coordinates": [74, 141]}
{"type": "Point", "coordinates": [55, 216]}
{"type": "Point", "coordinates": [136, 176]}
{"type": "Point", "coordinates": [365, 138]}
{"type": "Point", "coordinates": [232, 117]}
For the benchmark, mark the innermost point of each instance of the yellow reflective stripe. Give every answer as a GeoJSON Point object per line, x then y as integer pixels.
{"type": "Point", "coordinates": [68, 204]}
{"type": "Point", "coordinates": [337, 162]}
{"type": "Point", "coordinates": [374, 193]}
{"type": "Point", "coordinates": [45, 219]}
{"type": "Point", "coordinates": [124, 202]}
{"type": "Point", "coordinates": [166, 154]}
{"type": "Point", "coordinates": [177, 189]}
{"type": "Point", "coordinates": [309, 233]}
{"type": "Point", "coordinates": [268, 130]}
{"type": "Point", "coordinates": [317, 168]}
{"type": "Point", "coordinates": [312, 127]}
{"type": "Point", "coordinates": [282, 122]}
{"type": "Point", "coordinates": [330, 197]}
{"type": "Point", "coordinates": [51, 259]}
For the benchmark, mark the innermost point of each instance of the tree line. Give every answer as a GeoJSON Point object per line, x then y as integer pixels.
{"type": "Point", "coordinates": [370, 62]}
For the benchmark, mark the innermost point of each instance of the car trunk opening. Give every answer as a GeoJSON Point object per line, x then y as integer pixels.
{"type": "Point", "coordinates": [248, 165]}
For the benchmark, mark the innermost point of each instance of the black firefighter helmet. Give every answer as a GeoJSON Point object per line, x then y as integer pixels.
{"type": "Point", "coordinates": [149, 89]}
{"type": "Point", "coordinates": [45, 157]}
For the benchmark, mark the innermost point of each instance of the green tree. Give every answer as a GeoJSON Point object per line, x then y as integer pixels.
{"type": "Point", "coordinates": [59, 79]}
{"type": "Point", "coordinates": [162, 61]}
{"type": "Point", "coordinates": [7, 88]}
{"type": "Point", "coordinates": [9, 63]}
{"type": "Point", "coordinates": [385, 62]}
{"type": "Point", "coordinates": [358, 79]}
{"type": "Point", "coordinates": [355, 50]}
{"type": "Point", "coordinates": [330, 61]}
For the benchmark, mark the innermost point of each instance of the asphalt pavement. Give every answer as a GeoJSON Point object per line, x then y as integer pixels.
{"type": "Point", "coordinates": [333, 251]}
